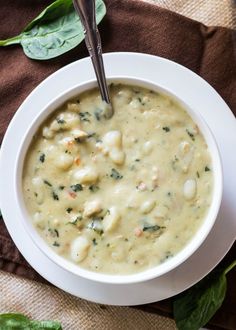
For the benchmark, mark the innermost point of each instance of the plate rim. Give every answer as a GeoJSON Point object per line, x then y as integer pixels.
{"type": "Point", "coordinates": [67, 68]}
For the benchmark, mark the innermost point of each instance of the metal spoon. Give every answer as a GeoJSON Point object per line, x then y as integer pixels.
{"type": "Point", "coordinates": [86, 12]}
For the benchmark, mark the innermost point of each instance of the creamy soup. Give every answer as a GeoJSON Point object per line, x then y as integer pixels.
{"type": "Point", "coordinates": [122, 195]}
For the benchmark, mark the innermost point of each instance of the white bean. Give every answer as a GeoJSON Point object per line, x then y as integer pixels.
{"type": "Point", "coordinates": [47, 133]}
{"type": "Point", "coordinates": [125, 95]}
{"type": "Point", "coordinates": [118, 254]}
{"type": "Point", "coordinates": [37, 218]}
{"type": "Point", "coordinates": [184, 147]}
{"type": "Point", "coordinates": [74, 107]}
{"type": "Point", "coordinates": [64, 161]}
{"type": "Point", "coordinates": [39, 194]}
{"type": "Point", "coordinates": [147, 206]}
{"type": "Point", "coordinates": [190, 189]}
{"type": "Point", "coordinates": [160, 212]}
{"type": "Point", "coordinates": [111, 220]}
{"type": "Point", "coordinates": [66, 141]}
{"type": "Point", "coordinates": [71, 120]}
{"type": "Point", "coordinates": [117, 156]}
{"type": "Point", "coordinates": [39, 189]}
{"type": "Point", "coordinates": [112, 139]}
{"type": "Point", "coordinates": [37, 181]}
{"type": "Point", "coordinates": [79, 249]}
{"type": "Point", "coordinates": [185, 154]}
{"type": "Point", "coordinates": [92, 207]}
{"type": "Point", "coordinates": [86, 175]}
{"type": "Point", "coordinates": [55, 126]}
{"type": "Point", "coordinates": [79, 134]}
{"type": "Point", "coordinates": [147, 147]}
{"type": "Point", "coordinates": [135, 104]}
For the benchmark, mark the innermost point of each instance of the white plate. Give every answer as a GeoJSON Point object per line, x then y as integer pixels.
{"type": "Point", "coordinates": [195, 92]}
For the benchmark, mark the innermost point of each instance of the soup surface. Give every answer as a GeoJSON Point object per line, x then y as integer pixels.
{"type": "Point", "coordinates": [122, 195]}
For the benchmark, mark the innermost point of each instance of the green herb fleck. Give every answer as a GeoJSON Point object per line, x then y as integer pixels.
{"type": "Point", "coordinates": [56, 244]}
{"type": "Point", "coordinates": [60, 121]}
{"type": "Point", "coordinates": [76, 187]}
{"type": "Point", "coordinates": [69, 209]}
{"type": "Point", "coordinates": [207, 169]}
{"type": "Point", "coordinates": [84, 116]}
{"type": "Point", "coordinates": [79, 140]}
{"type": "Point", "coordinates": [115, 174]}
{"type": "Point", "coordinates": [176, 159]}
{"type": "Point", "coordinates": [198, 175]}
{"type": "Point", "coordinates": [93, 134]}
{"type": "Point", "coordinates": [53, 232]}
{"type": "Point", "coordinates": [137, 160]}
{"type": "Point", "coordinates": [152, 228]}
{"type": "Point", "coordinates": [93, 188]}
{"type": "Point", "coordinates": [55, 196]}
{"type": "Point", "coordinates": [42, 158]}
{"type": "Point", "coordinates": [94, 241]}
{"type": "Point", "coordinates": [47, 183]}
{"type": "Point", "coordinates": [166, 128]}
{"type": "Point", "coordinates": [173, 163]}
{"type": "Point", "coordinates": [61, 187]}
{"type": "Point", "coordinates": [140, 100]}
{"type": "Point", "coordinates": [190, 134]}
{"type": "Point", "coordinates": [98, 113]}
{"type": "Point", "coordinates": [168, 255]}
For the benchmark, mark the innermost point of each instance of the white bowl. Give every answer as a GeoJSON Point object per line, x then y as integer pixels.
{"type": "Point", "coordinates": [148, 274]}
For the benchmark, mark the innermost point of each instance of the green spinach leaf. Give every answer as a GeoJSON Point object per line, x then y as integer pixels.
{"type": "Point", "coordinates": [152, 228]}
{"type": "Point", "coordinates": [196, 306]}
{"type": "Point", "coordinates": [55, 31]}
{"type": "Point", "coordinates": [13, 321]}
{"type": "Point", "coordinates": [115, 174]}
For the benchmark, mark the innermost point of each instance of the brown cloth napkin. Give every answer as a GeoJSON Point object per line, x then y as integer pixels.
{"type": "Point", "coordinates": [129, 26]}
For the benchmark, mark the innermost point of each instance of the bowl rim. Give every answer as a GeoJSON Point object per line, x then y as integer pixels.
{"type": "Point", "coordinates": [150, 273]}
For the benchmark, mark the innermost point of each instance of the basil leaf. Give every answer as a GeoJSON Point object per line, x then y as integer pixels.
{"type": "Point", "coordinates": [54, 32]}
{"type": "Point", "coordinates": [13, 321]}
{"type": "Point", "coordinates": [196, 306]}
{"type": "Point", "coordinates": [45, 325]}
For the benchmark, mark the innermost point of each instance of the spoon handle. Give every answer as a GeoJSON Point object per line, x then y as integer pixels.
{"type": "Point", "coordinates": [86, 12]}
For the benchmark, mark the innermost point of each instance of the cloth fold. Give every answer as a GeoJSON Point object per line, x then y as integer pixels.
{"type": "Point", "coordinates": [128, 26]}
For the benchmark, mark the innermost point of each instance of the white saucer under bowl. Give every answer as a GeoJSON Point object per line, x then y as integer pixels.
{"type": "Point", "coordinates": [199, 95]}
